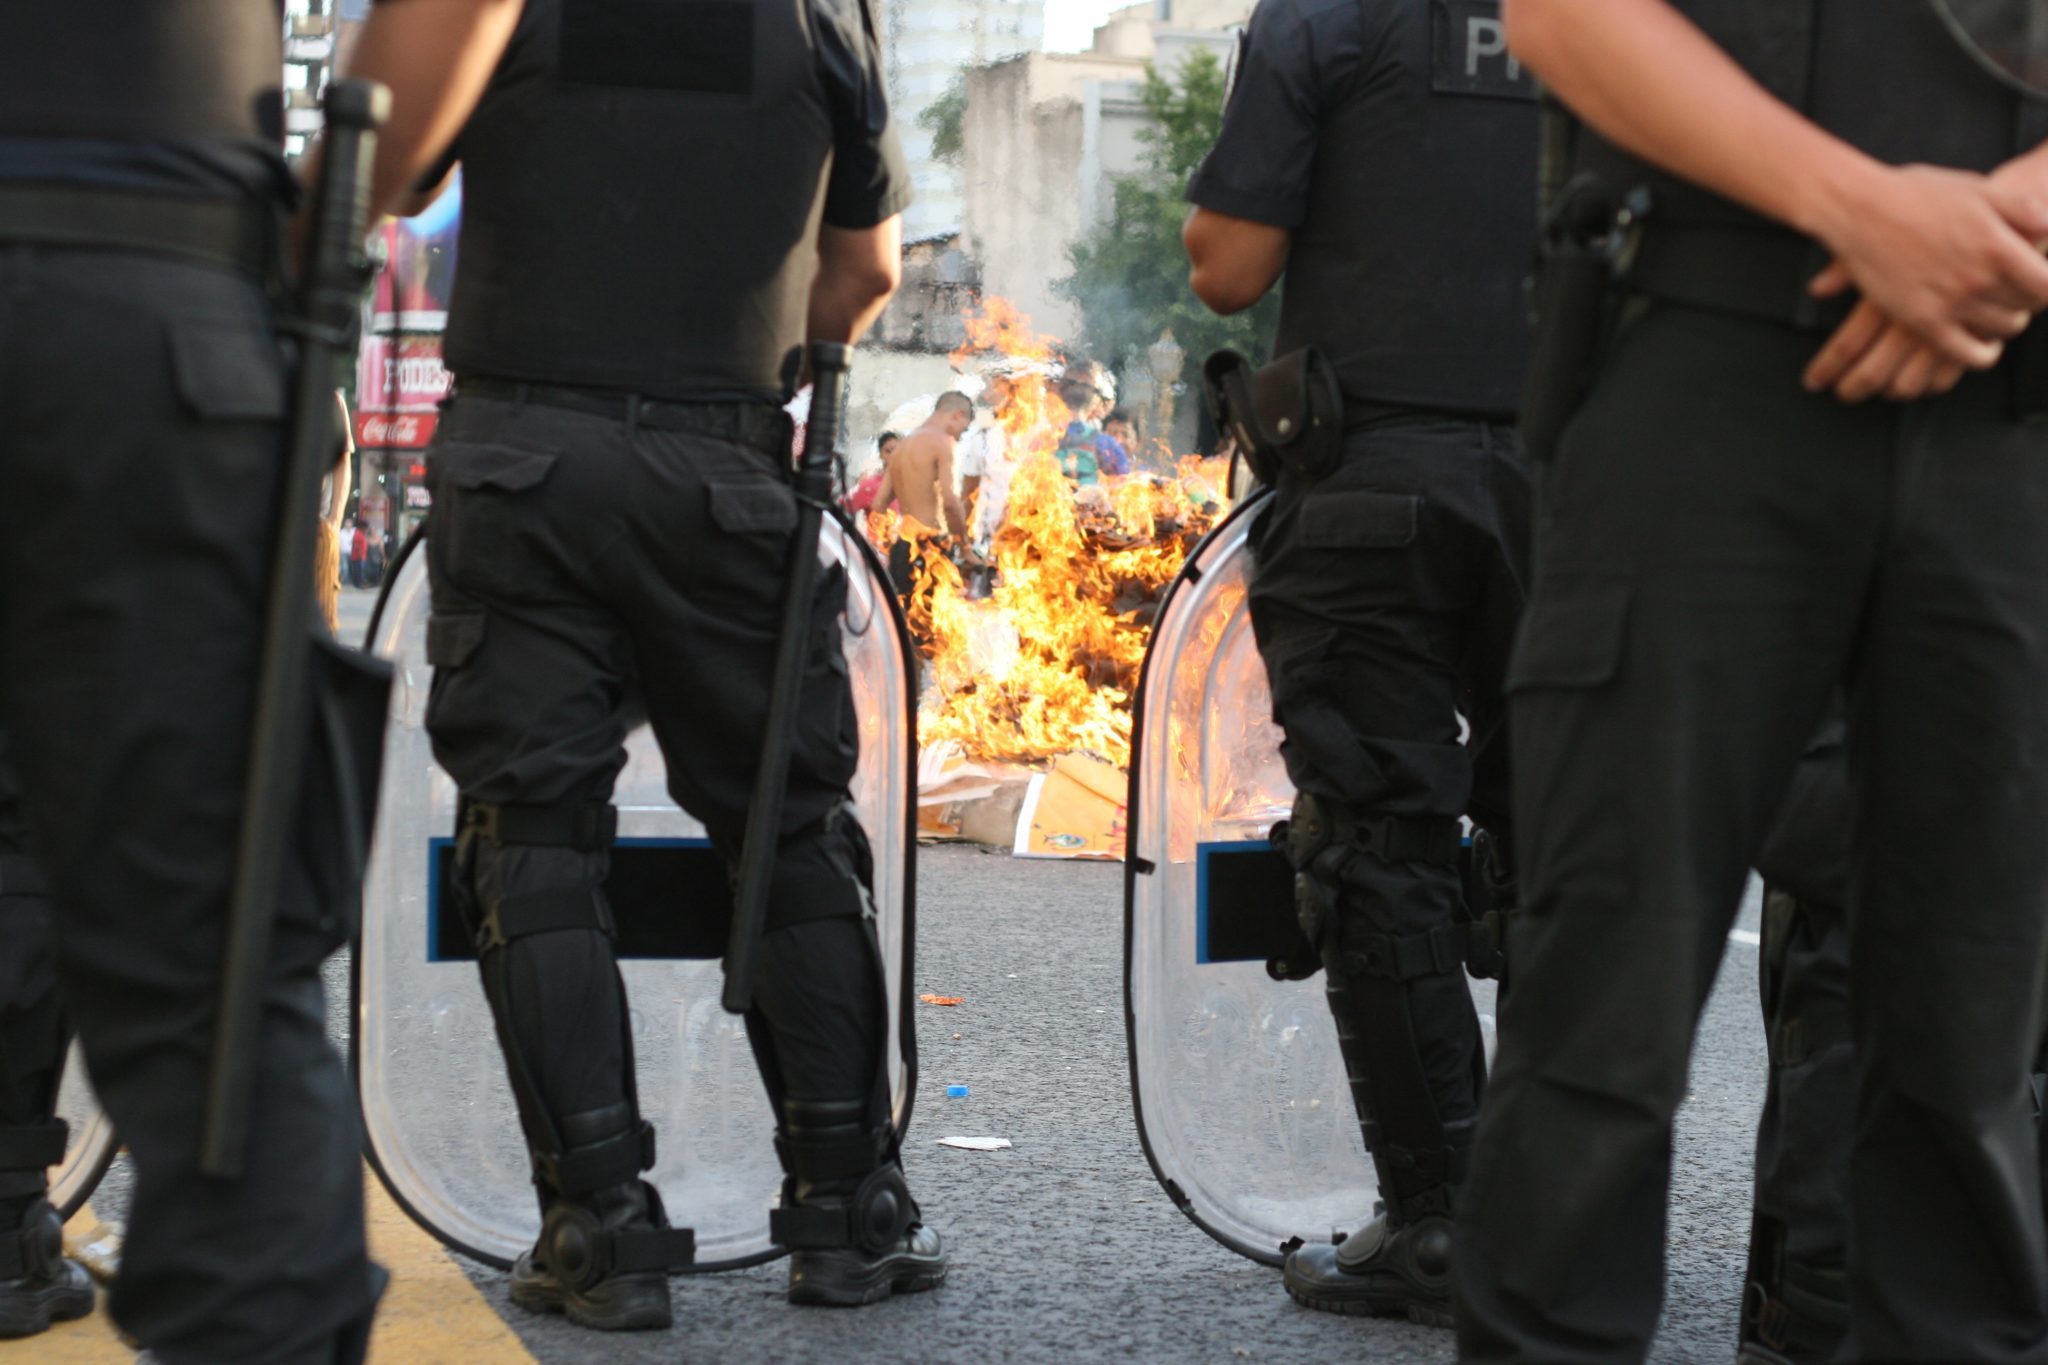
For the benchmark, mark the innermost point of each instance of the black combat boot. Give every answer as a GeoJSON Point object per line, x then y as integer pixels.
{"type": "Point", "coordinates": [1379, 1271]}
{"type": "Point", "coordinates": [38, 1284]}
{"type": "Point", "coordinates": [1399, 1264]}
{"type": "Point", "coordinates": [852, 1229]}
{"type": "Point", "coordinates": [604, 1254]}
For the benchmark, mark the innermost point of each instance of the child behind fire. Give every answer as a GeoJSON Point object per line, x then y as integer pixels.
{"type": "Point", "coordinates": [1080, 451]}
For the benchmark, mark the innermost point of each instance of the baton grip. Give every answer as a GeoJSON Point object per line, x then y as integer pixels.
{"type": "Point", "coordinates": [829, 363]}
{"type": "Point", "coordinates": [328, 300]}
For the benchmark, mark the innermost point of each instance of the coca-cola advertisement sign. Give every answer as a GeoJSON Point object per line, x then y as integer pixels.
{"type": "Point", "coordinates": [396, 430]}
{"type": "Point", "coordinates": [400, 379]}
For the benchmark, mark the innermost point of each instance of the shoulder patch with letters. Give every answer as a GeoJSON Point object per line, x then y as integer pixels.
{"type": "Point", "coordinates": [1468, 49]}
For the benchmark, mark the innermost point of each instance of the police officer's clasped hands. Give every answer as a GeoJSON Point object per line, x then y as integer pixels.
{"type": "Point", "coordinates": [1949, 266]}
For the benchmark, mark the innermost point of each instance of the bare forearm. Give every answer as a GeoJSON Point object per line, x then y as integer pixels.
{"type": "Point", "coordinates": [956, 515]}
{"type": "Point", "coordinates": [436, 56]}
{"type": "Point", "coordinates": [857, 272]}
{"type": "Point", "coordinates": [1642, 75]}
{"type": "Point", "coordinates": [843, 311]}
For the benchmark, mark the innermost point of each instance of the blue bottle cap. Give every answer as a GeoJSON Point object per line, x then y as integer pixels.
{"type": "Point", "coordinates": [956, 1092]}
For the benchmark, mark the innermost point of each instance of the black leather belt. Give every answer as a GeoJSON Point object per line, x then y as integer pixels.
{"type": "Point", "coordinates": [750, 422]}
{"type": "Point", "coordinates": [235, 234]}
{"type": "Point", "coordinates": [1758, 273]}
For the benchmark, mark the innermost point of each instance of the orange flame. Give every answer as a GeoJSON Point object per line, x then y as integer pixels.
{"type": "Point", "coordinates": [1047, 662]}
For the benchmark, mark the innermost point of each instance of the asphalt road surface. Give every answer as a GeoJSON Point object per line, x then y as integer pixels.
{"type": "Point", "coordinates": [1064, 1248]}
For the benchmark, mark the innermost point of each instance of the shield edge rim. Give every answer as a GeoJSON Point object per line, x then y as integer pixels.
{"type": "Point", "coordinates": [1255, 499]}
{"type": "Point", "coordinates": [1989, 65]}
{"type": "Point", "coordinates": [906, 1028]}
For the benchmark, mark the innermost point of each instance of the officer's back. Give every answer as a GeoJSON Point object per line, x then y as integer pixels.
{"type": "Point", "coordinates": [643, 192]}
{"type": "Point", "coordinates": [1381, 153]}
{"type": "Point", "coordinates": [662, 203]}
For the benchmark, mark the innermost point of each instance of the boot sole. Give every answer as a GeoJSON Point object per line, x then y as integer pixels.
{"type": "Point", "coordinates": [46, 1306]}
{"type": "Point", "coordinates": [638, 1319]}
{"type": "Point", "coordinates": [912, 1279]}
{"type": "Point", "coordinates": [1356, 1306]}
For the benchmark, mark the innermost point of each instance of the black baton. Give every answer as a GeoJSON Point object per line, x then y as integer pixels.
{"type": "Point", "coordinates": [829, 360]}
{"type": "Point", "coordinates": [329, 304]}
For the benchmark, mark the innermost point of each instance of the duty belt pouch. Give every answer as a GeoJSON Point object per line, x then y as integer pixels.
{"type": "Point", "coordinates": [1288, 413]}
{"type": "Point", "coordinates": [344, 769]}
{"type": "Point", "coordinates": [1572, 298]}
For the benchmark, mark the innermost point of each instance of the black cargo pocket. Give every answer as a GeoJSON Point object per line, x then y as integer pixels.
{"type": "Point", "coordinates": [453, 636]}
{"type": "Point", "coordinates": [1571, 637]}
{"type": "Point", "coordinates": [752, 508]}
{"type": "Point", "coordinates": [486, 514]}
{"type": "Point", "coordinates": [228, 374]}
{"type": "Point", "coordinates": [474, 466]}
{"type": "Point", "coordinates": [1359, 520]}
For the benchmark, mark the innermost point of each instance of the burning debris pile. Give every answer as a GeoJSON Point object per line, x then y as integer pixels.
{"type": "Point", "coordinates": [1046, 663]}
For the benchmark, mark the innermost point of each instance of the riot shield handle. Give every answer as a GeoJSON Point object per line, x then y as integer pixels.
{"type": "Point", "coordinates": [328, 307]}
{"type": "Point", "coordinates": [829, 363]}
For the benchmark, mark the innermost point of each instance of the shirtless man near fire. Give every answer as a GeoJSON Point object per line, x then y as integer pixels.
{"type": "Point", "coordinates": [919, 475]}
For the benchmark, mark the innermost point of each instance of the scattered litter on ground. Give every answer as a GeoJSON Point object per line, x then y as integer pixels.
{"type": "Point", "coordinates": [931, 999]}
{"type": "Point", "coordinates": [974, 1144]}
{"type": "Point", "coordinates": [956, 1092]}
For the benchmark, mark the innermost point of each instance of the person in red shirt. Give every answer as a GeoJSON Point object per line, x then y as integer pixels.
{"type": "Point", "coordinates": [358, 551]}
{"type": "Point", "coordinates": [861, 500]}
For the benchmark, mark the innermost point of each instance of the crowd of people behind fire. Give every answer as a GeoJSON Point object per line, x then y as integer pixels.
{"type": "Point", "coordinates": [970, 441]}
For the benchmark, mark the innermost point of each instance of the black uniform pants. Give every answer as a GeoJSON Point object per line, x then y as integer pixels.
{"type": "Point", "coordinates": [32, 1032]}
{"type": "Point", "coordinates": [141, 403]}
{"type": "Point", "coordinates": [1718, 549]}
{"type": "Point", "coordinates": [588, 573]}
{"type": "Point", "coordinates": [1384, 602]}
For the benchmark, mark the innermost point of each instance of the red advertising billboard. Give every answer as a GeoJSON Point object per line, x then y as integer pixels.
{"type": "Point", "coordinates": [400, 380]}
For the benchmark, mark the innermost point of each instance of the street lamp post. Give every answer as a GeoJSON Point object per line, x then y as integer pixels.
{"type": "Point", "coordinates": [1164, 359]}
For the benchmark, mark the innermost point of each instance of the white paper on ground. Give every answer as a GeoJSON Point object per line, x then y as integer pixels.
{"type": "Point", "coordinates": [974, 1144]}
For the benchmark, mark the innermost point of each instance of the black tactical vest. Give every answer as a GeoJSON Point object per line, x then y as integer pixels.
{"type": "Point", "coordinates": [1882, 74]}
{"type": "Point", "coordinates": [1408, 271]}
{"type": "Point", "coordinates": [194, 69]}
{"type": "Point", "coordinates": [643, 182]}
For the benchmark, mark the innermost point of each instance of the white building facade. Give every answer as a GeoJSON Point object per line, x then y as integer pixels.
{"type": "Point", "coordinates": [927, 45]}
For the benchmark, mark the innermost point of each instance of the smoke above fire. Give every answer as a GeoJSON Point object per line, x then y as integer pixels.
{"type": "Point", "coordinates": [1047, 662]}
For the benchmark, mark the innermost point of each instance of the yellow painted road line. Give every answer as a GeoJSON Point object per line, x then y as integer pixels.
{"type": "Point", "coordinates": [431, 1314]}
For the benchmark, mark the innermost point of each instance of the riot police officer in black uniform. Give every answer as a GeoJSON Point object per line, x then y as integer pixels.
{"type": "Point", "coordinates": [1385, 159]}
{"type": "Point", "coordinates": [660, 204]}
{"type": "Point", "coordinates": [142, 200]}
{"type": "Point", "coordinates": [1719, 547]}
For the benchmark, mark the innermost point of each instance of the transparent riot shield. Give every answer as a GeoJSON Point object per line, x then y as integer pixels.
{"type": "Point", "coordinates": [89, 1150]}
{"type": "Point", "coordinates": [1242, 1104]}
{"type": "Point", "coordinates": [437, 1110]}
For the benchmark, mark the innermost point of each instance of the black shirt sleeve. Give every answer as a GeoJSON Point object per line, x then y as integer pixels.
{"type": "Point", "coordinates": [1299, 58]}
{"type": "Point", "coordinates": [869, 181]}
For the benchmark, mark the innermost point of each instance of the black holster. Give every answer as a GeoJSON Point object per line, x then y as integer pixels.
{"type": "Point", "coordinates": [1289, 413]}
{"type": "Point", "coordinates": [1573, 299]}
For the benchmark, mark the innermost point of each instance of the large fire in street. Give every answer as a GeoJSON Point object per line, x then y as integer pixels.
{"type": "Point", "coordinates": [1047, 662]}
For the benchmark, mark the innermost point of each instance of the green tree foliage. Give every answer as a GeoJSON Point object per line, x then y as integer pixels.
{"type": "Point", "coordinates": [941, 118]}
{"type": "Point", "coordinates": [1130, 274]}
